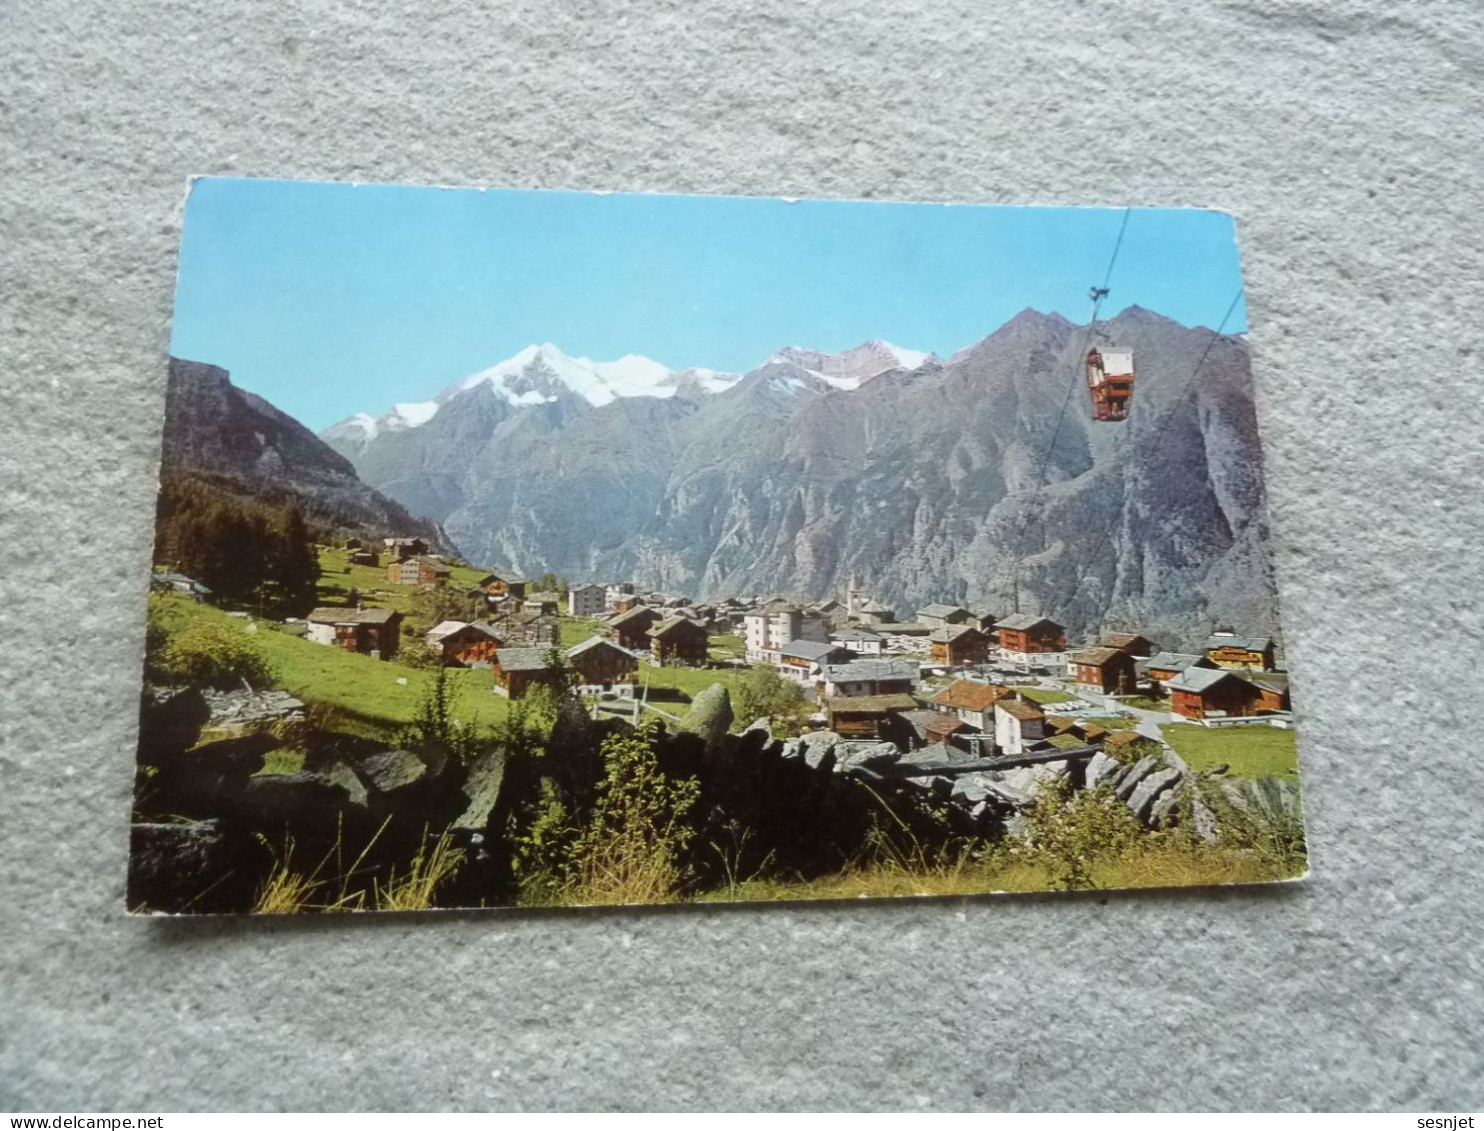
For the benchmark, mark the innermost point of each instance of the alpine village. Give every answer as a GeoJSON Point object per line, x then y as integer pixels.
{"type": "Point", "coordinates": [342, 713]}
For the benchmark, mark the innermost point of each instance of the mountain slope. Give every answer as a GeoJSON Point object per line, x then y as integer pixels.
{"type": "Point", "coordinates": [242, 445]}
{"type": "Point", "coordinates": [919, 480]}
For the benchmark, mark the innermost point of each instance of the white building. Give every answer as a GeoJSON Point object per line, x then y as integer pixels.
{"type": "Point", "coordinates": [587, 600]}
{"type": "Point", "coordinates": [767, 629]}
{"type": "Point", "coordinates": [861, 641]}
{"type": "Point", "coordinates": [616, 591]}
{"type": "Point", "coordinates": [1018, 725]}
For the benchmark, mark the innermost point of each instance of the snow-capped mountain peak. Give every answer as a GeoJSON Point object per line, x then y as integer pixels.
{"type": "Point", "coordinates": [852, 368]}
{"type": "Point", "coordinates": [540, 374]}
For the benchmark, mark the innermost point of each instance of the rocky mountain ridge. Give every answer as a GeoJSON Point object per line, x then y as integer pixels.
{"type": "Point", "coordinates": [924, 483]}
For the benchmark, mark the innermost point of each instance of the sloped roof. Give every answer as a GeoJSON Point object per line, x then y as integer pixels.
{"type": "Point", "coordinates": [877, 607]}
{"type": "Point", "coordinates": [970, 695]}
{"type": "Point", "coordinates": [867, 670]}
{"type": "Point", "coordinates": [524, 659]}
{"type": "Point", "coordinates": [870, 704]}
{"type": "Point", "coordinates": [1019, 709]}
{"type": "Point", "coordinates": [666, 627]}
{"type": "Point", "coordinates": [1251, 643]}
{"type": "Point", "coordinates": [1023, 622]}
{"type": "Point", "coordinates": [944, 724]}
{"type": "Point", "coordinates": [1199, 679]}
{"type": "Point", "coordinates": [937, 610]}
{"type": "Point", "coordinates": [1120, 640]}
{"type": "Point", "coordinates": [352, 616]}
{"type": "Point", "coordinates": [1125, 738]}
{"type": "Point", "coordinates": [809, 649]}
{"type": "Point", "coordinates": [1096, 657]}
{"type": "Point", "coordinates": [1170, 661]}
{"type": "Point", "coordinates": [593, 642]}
{"type": "Point", "coordinates": [859, 635]}
{"type": "Point", "coordinates": [634, 616]}
{"type": "Point", "coordinates": [951, 632]}
{"type": "Point", "coordinates": [444, 628]}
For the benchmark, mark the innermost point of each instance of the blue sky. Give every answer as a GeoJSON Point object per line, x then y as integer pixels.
{"type": "Point", "coordinates": [329, 299]}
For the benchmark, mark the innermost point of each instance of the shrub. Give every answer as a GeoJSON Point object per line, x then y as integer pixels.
{"type": "Point", "coordinates": [763, 693]}
{"type": "Point", "coordinates": [208, 653]}
{"type": "Point", "coordinates": [1071, 831]}
{"type": "Point", "coordinates": [634, 848]}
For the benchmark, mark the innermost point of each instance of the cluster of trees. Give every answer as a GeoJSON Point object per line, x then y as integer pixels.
{"type": "Point", "coordinates": [246, 552]}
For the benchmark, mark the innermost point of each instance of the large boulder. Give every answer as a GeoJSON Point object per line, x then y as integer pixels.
{"type": "Point", "coordinates": [480, 791]}
{"type": "Point", "coordinates": [1142, 799]}
{"type": "Point", "coordinates": [180, 866]}
{"type": "Point", "coordinates": [865, 755]}
{"type": "Point", "coordinates": [1136, 774]}
{"type": "Point", "coordinates": [710, 715]}
{"type": "Point", "coordinates": [818, 749]}
{"type": "Point", "coordinates": [387, 771]}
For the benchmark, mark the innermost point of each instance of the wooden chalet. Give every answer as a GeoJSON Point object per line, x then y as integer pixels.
{"type": "Point", "coordinates": [499, 587]}
{"type": "Point", "coordinates": [364, 558]}
{"type": "Point", "coordinates": [1240, 653]}
{"type": "Point", "coordinates": [678, 642]}
{"type": "Point", "coordinates": [1131, 642]}
{"type": "Point", "coordinates": [937, 616]}
{"type": "Point", "coordinates": [602, 664]}
{"type": "Point", "coordinates": [463, 643]}
{"type": "Point", "coordinates": [971, 701]}
{"type": "Point", "coordinates": [1124, 742]}
{"type": "Point", "coordinates": [1202, 694]}
{"type": "Point", "coordinates": [1028, 635]}
{"type": "Point", "coordinates": [867, 716]}
{"type": "Point", "coordinates": [631, 627]}
{"type": "Point", "coordinates": [1105, 671]}
{"type": "Point", "coordinates": [986, 621]}
{"type": "Point", "coordinates": [369, 632]}
{"type": "Point", "coordinates": [547, 604]}
{"type": "Point", "coordinates": [958, 645]}
{"type": "Point", "coordinates": [869, 677]}
{"type": "Point", "coordinates": [400, 549]}
{"type": "Point", "coordinates": [517, 670]}
{"type": "Point", "coordinates": [1272, 693]}
{"type": "Point", "coordinates": [422, 570]}
{"type": "Point", "coordinates": [524, 629]}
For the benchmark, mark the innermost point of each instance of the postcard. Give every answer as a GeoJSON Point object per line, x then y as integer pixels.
{"type": "Point", "coordinates": [523, 548]}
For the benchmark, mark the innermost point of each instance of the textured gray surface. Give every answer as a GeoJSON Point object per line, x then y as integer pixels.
{"type": "Point", "coordinates": [1346, 137]}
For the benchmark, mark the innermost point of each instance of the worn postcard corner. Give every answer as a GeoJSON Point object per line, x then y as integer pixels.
{"type": "Point", "coordinates": [538, 548]}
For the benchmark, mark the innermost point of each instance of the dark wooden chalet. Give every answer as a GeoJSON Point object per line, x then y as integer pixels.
{"type": "Point", "coordinates": [1026, 634]}
{"type": "Point", "coordinates": [678, 642]}
{"type": "Point", "coordinates": [1106, 671]}
{"type": "Point", "coordinates": [631, 627]}
{"type": "Point", "coordinates": [601, 663]}
{"type": "Point", "coordinates": [463, 644]}
{"type": "Point", "coordinates": [1131, 642]}
{"type": "Point", "coordinates": [867, 716]}
{"type": "Point", "coordinates": [499, 587]}
{"type": "Point", "coordinates": [957, 645]}
{"type": "Point", "coordinates": [517, 670]}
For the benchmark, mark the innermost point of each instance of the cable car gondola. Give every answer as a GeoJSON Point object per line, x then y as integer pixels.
{"type": "Point", "coordinates": [1110, 380]}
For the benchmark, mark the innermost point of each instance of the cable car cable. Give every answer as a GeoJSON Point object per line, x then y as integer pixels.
{"type": "Point", "coordinates": [1097, 294]}
{"type": "Point", "coordinates": [1106, 540]}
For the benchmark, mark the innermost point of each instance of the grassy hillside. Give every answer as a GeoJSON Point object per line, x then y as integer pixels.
{"type": "Point", "coordinates": [381, 695]}
{"type": "Point", "coordinates": [1250, 751]}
